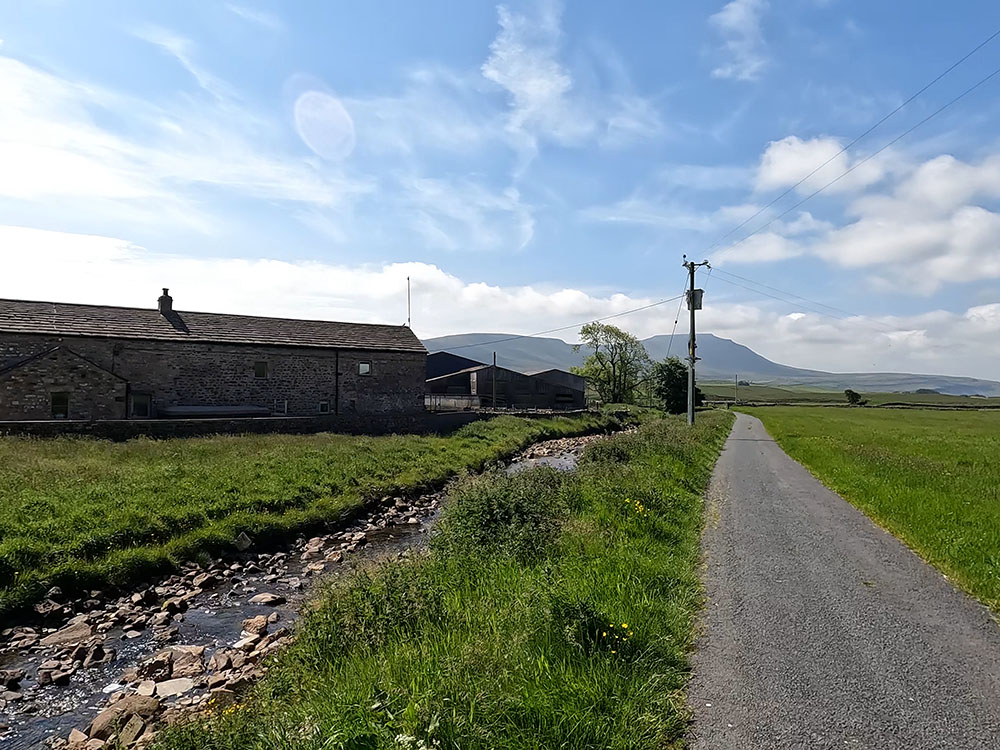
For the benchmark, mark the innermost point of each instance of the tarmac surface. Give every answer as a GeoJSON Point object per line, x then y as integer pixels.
{"type": "Point", "coordinates": [821, 630]}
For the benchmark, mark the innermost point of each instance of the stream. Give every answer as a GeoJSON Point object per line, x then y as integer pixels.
{"type": "Point", "coordinates": [202, 633]}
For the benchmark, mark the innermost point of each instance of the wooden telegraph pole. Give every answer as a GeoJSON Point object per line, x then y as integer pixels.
{"type": "Point", "coordinates": [694, 297]}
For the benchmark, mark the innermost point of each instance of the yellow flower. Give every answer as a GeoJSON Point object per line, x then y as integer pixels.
{"type": "Point", "coordinates": [624, 624]}
{"type": "Point", "coordinates": [605, 635]}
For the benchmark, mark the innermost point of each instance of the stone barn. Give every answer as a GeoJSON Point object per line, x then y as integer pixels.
{"type": "Point", "coordinates": [96, 362]}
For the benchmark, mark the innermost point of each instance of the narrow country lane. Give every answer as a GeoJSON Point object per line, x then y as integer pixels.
{"type": "Point", "coordinates": [823, 631]}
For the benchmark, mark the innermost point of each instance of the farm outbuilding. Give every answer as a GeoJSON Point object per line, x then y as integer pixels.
{"type": "Point", "coordinates": [471, 386]}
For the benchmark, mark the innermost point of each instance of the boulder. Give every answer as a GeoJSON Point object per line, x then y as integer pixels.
{"type": "Point", "coordinates": [120, 712]}
{"type": "Point", "coordinates": [11, 678]}
{"type": "Point", "coordinates": [132, 730]}
{"type": "Point", "coordinates": [188, 661]}
{"type": "Point", "coordinates": [170, 688]}
{"type": "Point", "coordinates": [256, 625]}
{"type": "Point", "coordinates": [268, 599]}
{"type": "Point", "coordinates": [70, 635]}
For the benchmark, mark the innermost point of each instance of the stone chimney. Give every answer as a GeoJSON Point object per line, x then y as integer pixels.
{"type": "Point", "coordinates": [165, 304]}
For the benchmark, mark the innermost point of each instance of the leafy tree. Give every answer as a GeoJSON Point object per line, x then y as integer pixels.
{"type": "Point", "coordinates": [618, 365]}
{"type": "Point", "coordinates": [670, 382]}
{"type": "Point", "coordinates": [853, 397]}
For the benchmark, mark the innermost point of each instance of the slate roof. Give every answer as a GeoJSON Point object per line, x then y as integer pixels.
{"type": "Point", "coordinates": [104, 321]}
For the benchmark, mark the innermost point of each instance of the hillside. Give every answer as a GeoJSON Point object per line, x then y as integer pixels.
{"type": "Point", "coordinates": [722, 359]}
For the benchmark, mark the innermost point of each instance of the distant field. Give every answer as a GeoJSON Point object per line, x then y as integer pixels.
{"type": "Point", "coordinates": [802, 394]}
{"type": "Point", "coordinates": [930, 477]}
{"type": "Point", "coordinates": [82, 513]}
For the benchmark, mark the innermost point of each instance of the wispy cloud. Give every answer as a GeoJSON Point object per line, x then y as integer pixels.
{"type": "Point", "coordinates": [543, 99]}
{"type": "Point", "coordinates": [254, 15]}
{"type": "Point", "coordinates": [743, 46]}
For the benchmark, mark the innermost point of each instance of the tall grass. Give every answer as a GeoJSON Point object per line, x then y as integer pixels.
{"type": "Point", "coordinates": [554, 611]}
{"type": "Point", "coordinates": [932, 478]}
{"type": "Point", "coordinates": [83, 513]}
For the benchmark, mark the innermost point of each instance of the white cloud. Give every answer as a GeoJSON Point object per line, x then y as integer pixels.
{"type": "Point", "coordinates": [744, 49]}
{"type": "Point", "coordinates": [786, 162]}
{"type": "Point", "coordinates": [107, 270]}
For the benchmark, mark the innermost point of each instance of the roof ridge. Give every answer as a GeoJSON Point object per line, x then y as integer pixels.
{"type": "Point", "coordinates": [200, 312]}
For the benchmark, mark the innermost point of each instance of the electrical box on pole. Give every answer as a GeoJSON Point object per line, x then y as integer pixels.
{"type": "Point", "coordinates": [694, 300]}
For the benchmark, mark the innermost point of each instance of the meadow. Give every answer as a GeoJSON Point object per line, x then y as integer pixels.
{"type": "Point", "coordinates": [553, 610]}
{"type": "Point", "coordinates": [932, 478]}
{"type": "Point", "coordinates": [805, 395]}
{"type": "Point", "coordinates": [84, 514]}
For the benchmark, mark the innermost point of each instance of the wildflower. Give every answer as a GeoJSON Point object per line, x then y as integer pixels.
{"type": "Point", "coordinates": [624, 624]}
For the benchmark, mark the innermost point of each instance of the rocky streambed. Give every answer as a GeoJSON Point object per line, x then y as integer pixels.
{"type": "Point", "coordinates": [102, 669]}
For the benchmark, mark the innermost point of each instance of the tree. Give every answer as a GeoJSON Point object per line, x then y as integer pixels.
{"type": "Point", "coordinates": [670, 382]}
{"type": "Point", "coordinates": [618, 365]}
{"type": "Point", "coordinates": [853, 397]}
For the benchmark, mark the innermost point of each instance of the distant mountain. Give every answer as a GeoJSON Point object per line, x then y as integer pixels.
{"type": "Point", "coordinates": [722, 359]}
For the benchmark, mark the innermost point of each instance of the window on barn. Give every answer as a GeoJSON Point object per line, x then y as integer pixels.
{"type": "Point", "coordinates": [260, 369]}
{"type": "Point", "coordinates": [60, 405]}
{"type": "Point", "coordinates": [140, 405]}
{"type": "Point", "coordinates": [365, 368]}
{"type": "Point", "coordinates": [324, 407]}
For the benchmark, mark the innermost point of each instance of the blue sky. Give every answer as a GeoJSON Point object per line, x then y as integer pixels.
{"type": "Point", "coordinates": [529, 165]}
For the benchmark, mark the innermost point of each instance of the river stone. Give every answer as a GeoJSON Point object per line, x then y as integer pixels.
{"type": "Point", "coordinates": [77, 738]}
{"type": "Point", "coordinates": [178, 686]}
{"type": "Point", "coordinates": [257, 625]}
{"type": "Point", "coordinates": [242, 542]}
{"type": "Point", "coordinates": [268, 599]}
{"type": "Point", "coordinates": [131, 731]}
{"type": "Point", "coordinates": [146, 687]}
{"type": "Point", "coordinates": [187, 660]}
{"type": "Point", "coordinates": [69, 635]}
{"type": "Point", "coordinates": [103, 726]}
{"type": "Point", "coordinates": [11, 678]}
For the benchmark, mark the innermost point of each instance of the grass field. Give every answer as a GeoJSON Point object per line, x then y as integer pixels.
{"type": "Point", "coordinates": [83, 513]}
{"type": "Point", "coordinates": [554, 611]}
{"type": "Point", "coordinates": [930, 477]}
{"type": "Point", "coordinates": [806, 395]}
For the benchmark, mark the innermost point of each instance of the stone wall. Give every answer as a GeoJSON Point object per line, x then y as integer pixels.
{"type": "Point", "coordinates": [87, 391]}
{"type": "Point", "coordinates": [297, 381]}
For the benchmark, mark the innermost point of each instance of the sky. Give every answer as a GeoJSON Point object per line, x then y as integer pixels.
{"type": "Point", "coordinates": [529, 166]}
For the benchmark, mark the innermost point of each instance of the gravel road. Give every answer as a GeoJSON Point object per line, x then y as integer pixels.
{"type": "Point", "coordinates": [823, 631]}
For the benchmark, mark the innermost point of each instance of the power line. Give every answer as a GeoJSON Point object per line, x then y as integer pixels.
{"type": "Point", "coordinates": [871, 156]}
{"type": "Point", "coordinates": [563, 328]}
{"type": "Point", "coordinates": [853, 143]}
{"type": "Point", "coordinates": [792, 294]}
{"type": "Point", "coordinates": [862, 321]}
{"type": "Point", "coordinates": [677, 317]}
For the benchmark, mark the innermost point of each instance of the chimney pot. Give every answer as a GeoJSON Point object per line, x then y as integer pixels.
{"type": "Point", "coordinates": [165, 304]}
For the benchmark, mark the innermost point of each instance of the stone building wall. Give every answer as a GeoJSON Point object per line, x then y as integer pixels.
{"type": "Point", "coordinates": [88, 392]}
{"type": "Point", "coordinates": [297, 381]}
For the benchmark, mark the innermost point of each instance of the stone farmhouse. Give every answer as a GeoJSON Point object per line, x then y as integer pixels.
{"type": "Point", "coordinates": [95, 362]}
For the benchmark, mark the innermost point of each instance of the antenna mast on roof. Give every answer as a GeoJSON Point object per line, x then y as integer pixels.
{"type": "Point", "coordinates": [408, 302]}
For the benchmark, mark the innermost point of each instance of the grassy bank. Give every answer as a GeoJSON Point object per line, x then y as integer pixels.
{"type": "Point", "coordinates": [83, 513]}
{"type": "Point", "coordinates": [553, 611]}
{"type": "Point", "coordinates": [931, 478]}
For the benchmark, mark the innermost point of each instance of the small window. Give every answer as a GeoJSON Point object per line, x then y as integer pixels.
{"type": "Point", "coordinates": [280, 406]}
{"type": "Point", "coordinates": [364, 368]}
{"type": "Point", "coordinates": [60, 405]}
{"type": "Point", "coordinates": [324, 407]}
{"type": "Point", "coordinates": [140, 405]}
{"type": "Point", "coordinates": [260, 369]}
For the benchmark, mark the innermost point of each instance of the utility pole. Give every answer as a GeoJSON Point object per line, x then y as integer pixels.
{"type": "Point", "coordinates": [694, 297]}
{"type": "Point", "coordinates": [408, 302]}
{"type": "Point", "coordinates": [736, 388]}
{"type": "Point", "coordinates": [494, 380]}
